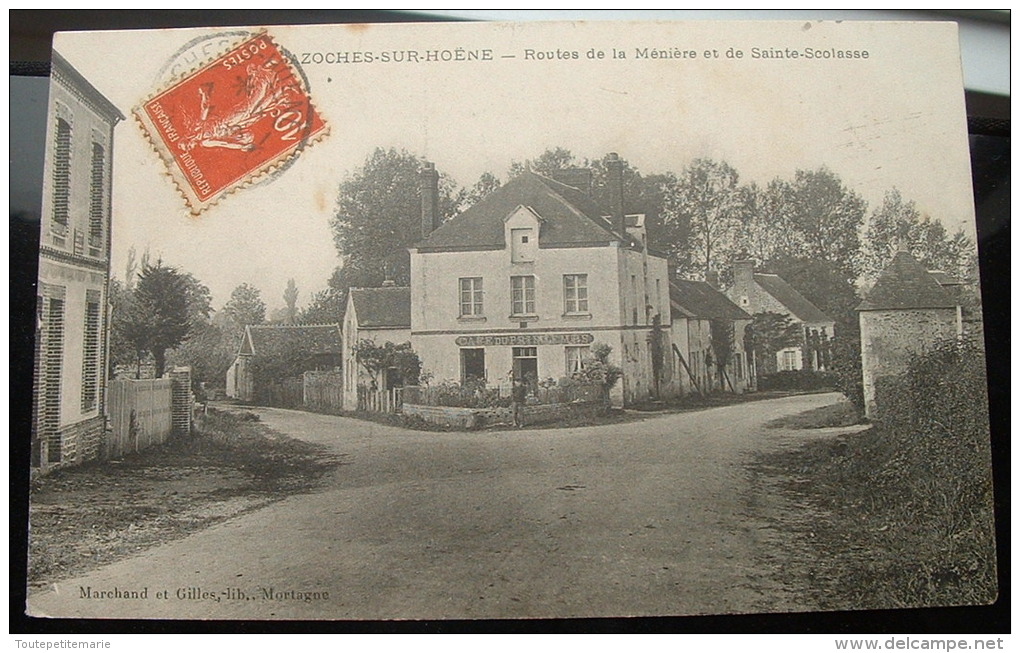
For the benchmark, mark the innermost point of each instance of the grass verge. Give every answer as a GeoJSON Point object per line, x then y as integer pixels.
{"type": "Point", "coordinates": [84, 517]}
{"type": "Point", "coordinates": [893, 521]}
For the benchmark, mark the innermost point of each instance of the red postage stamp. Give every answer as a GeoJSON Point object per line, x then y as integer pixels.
{"type": "Point", "coordinates": [231, 121]}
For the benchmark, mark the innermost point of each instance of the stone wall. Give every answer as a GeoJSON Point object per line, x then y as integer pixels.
{"type": "Point", "coordinates": [475, 418]}
{"type": "Point", "coordinates": [890, 337]}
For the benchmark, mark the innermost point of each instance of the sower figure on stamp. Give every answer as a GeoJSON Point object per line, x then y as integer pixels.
{"type": "Point", "coordinates": [517, 397]}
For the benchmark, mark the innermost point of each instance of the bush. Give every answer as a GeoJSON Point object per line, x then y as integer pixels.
{"type": "Point", "coordinates": [846, 368]}
{"type": "Point", "coordinates": [922, 479]}
{"type": "Point", "coordinates": [797, 380]}
{"type": "Point", "coordinates": [473, 394]}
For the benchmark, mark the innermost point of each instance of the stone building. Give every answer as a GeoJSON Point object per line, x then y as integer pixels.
{"type": "Point", "coordinates": [756, 292]}
{"type": "Point", "coordinates": [523, 283]}
{"type": "Point", "coordinates": [706, 328]}
{"type": "Point", "coordinates": [905, 311]}
{"type": "Point", "coordinates": [69, 412]}
{"type": "Point", "coordinates": [378, 314]}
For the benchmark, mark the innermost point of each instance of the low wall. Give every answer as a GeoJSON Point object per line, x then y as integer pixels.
{"type": "Point", "coordinates": [475, 418]}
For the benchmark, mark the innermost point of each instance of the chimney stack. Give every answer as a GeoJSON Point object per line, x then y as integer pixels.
{"type": "Point", "coordinates": [429, 199]}
{"type": "Point", "coordinates": [712, 278]}
{"type": "Point", "coordinates": [743, 272]}
{"type": "Point", "coordinates": [614, 168]}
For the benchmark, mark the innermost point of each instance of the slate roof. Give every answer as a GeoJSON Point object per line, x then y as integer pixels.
{"type": "Point", "coordinates": [388, 307]}
{"type": "Point", "coordinates": [906, 284]}
{"type": "Point", "coordinates": [267, 340]}
{"type": "Point", "coordinates": [699, 300]}
{"type": "Point", "coordinates": [570, 218]}
{"type": "Point", "coordinates": [798, 305]}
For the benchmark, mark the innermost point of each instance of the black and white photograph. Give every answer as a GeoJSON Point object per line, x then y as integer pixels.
{"type": "Point", "coordinates": [508, 321]}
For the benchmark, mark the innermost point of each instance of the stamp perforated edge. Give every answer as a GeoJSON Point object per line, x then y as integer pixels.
{"type": "Point", "coordinates": [172, 170]}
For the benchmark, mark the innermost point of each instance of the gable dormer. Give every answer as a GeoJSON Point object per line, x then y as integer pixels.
{"type": "Point", "coordinates": [522, 228]}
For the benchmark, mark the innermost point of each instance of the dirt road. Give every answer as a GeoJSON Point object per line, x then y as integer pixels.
{"type": "Point", "coordinates": [645, 518]}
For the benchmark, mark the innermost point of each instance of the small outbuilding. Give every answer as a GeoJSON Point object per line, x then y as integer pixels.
{"type": "Point", "coordinates": [905, 311]}
{"type": "Point", "coordinates": [283, 352]}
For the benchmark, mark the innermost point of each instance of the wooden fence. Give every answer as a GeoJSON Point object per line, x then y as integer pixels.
{"type": "Point", "coordinates": [285, 393]}
{"type": "Point", "coordinates": [380, 401]}
{"type": "Point", "coordinates": [324, 391]}
{"type": "Point", "coordinates": [140, 415]}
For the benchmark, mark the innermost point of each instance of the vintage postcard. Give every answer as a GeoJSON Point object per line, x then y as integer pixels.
{"type": "Point", "coordinates": [486, 321]}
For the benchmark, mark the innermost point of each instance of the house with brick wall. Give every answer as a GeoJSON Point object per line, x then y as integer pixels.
{"type": "Point", "coordinates": [907, 310]}
{"type": "Point", "coordinates": [72, 344]}
{"type": "Point", "coordinates": [757, 292]}
{"type": "Point", "coordinates": [523, 283]}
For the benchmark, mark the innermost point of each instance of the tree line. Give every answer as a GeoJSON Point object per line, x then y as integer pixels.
{"type": "Point", "coordinates": [810, 228]}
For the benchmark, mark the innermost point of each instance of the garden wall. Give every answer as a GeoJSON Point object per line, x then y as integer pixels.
{"type": "Point", "coordinates": [475, 418]}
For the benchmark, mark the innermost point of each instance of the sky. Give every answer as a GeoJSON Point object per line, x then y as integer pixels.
{"type": "Point", "coordinates": [896, 118]}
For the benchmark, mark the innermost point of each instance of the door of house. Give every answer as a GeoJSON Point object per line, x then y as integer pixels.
{"type": "Point", "coordinates": [472, 365]}
{"type": "Point", "coordinates": [526, 365]}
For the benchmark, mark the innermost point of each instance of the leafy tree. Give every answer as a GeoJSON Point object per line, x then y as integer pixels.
{"type": "Point", "coordinates": [765, 231]}
{"type": "Point", "coordinates": [209, 351]}
{"type": "Point", "coordinates": [546, 163]}
{"type": "Point", "coordinates": [823, 284]}
{"type": "Point", "coordinates": [246, 306]}
{"type": "Point", "coordinates": [199, 300]}
{"type": "Point", "coordinates": [290, 295]}
{"type": "Point", "coordinates": [401, 359]}
{"type": "Point", "coordinates": [128, 328]}
{"type": "Point", "coordinates": [708, 202]}
{"type": "Point", "coordinates": [722, 333]}
{"type": "Point", "coordinates": [899, 222]}
{"type": "Point", "coordinates": [486, 183]}
{"type": "Point", "coordinates": [827, 218]}
{"type": "Point", "coordinates": [378, 217]}
{"type": "Point", "coordinates": [159, 316]}
{"type": "Point", "coordinates": [771, 333]}
{"type": "Point", "coordinates": [597, 369]}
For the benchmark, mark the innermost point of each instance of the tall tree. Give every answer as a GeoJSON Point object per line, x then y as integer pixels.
{"type": "Point", "coordinates": [160, 310]}
{"type": "Point", "coordinates": [290, 296]}
{"type": "Point", "coordinates": [899, 222]}
{"type": "Point", "coordinates": [708, 202]}
{"type": "Point", "coordinates": [546, 163]}
{"type": "Point", "coordinates": [765, 231]}
{"type": "Point", "coordinates": [827, 218]}
{"type": "Point", "coordinates": [246, 306]}
{"type": "Point", "coordinates": [486, 183]}
{"type": "Point", "coordinates": [378, 216]}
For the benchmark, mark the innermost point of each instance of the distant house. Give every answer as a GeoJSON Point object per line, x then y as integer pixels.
{"type": "Point", "coordinates": [72, 343]}
{"type": "Point", "coordinates": [380, 315]}
{"type": "Point", "coordinates": [706, 326]}
{"type": "Point", "coordinates": [756, 292]}
{"type": "Point", "coordinates": [293, 349]}
{"type": "Point", "coordinates": [905, 311]}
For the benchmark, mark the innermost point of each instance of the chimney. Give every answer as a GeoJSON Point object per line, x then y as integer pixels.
{"type": "Point", "coordinates": [429, 199]}
{"type": "Point", "coordinates": [743, 273]}
{"type": "Point", "coordinates": [614, 168]}
{"type": "Point", "coordinates": [579, 178]}
{"type": "Point", "coordinates": [712, 278]}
